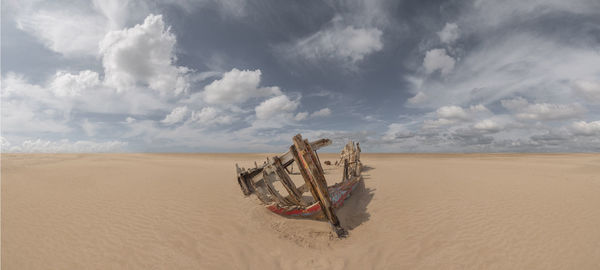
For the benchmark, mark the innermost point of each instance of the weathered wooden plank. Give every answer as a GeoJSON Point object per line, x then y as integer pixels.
{"type": "Point", "coordinates": [284, 178]}
{"type": "Point", "coordinates": [346, 177]}
{"type": "Point", "coordinates": [289, 169]}
{"type": "Point", "coordinates": [243, 181]}
{"type": "Point", "coordinates": [313, 175]}
{"type": "Point", "coordinates": [317, 177]}
{"type": "Point", "coordinates": [287, 158]}
{"type": "Point", "coordinates": [307, 183]}
{"type": "Point", "coordinates": [262, 194]}
{"type": "Point", "coordinates": [248, 178]}
{"type": "Point", "coordinates": [269, 177]}
{"type": "Point", "coordinates": [303, 188]}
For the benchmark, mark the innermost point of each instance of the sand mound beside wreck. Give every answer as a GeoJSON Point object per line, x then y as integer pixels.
{"type": "Point", "coordinates": [146, 211]}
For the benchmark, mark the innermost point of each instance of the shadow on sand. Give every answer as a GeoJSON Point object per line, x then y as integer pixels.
{"type": "Point", "coordinates": [354, 211]}
{"type": "Point", "coordinates": [366, 168]}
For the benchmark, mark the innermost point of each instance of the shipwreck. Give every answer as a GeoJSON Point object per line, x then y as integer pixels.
{"type": "Point", "coordinates": [267, 180]}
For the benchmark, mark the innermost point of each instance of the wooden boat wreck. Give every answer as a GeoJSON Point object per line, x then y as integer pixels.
{"type": "Point", "coordinates": [262, 181]}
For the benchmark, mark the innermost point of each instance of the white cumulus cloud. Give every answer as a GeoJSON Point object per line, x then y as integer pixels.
{"type": "Point", "coordinates": [301, 116]}
{"type": "Point", "coordinates": [488, 125]}
{"type": "Point", "coordinates": [237, 86]}
{"type": "Point", "coordinates": [450, 33]}
{"type": "Point", "coordinates": [67, 84]}
{"type": "Point", "coordinates": [211, 116]}
{"type": "Point", "coordinates": [452, 112]}
{"type": "Point", "coordinates": [438, 59]}
{"type": "Point", "coordinates": [177, 115]}
{"type": "Point", "coordinates": [586, 128]}
{"type": "Point", "coordinates": [143, 56]}
{"type": "Point", "coordinates": [276, 106]}
{"type": "Point", "coordinates": [418, 98]}
{"type": "Point", "coordinates": [321, 113]}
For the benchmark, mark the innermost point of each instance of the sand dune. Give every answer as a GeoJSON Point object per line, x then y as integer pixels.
{"type": "Point", "coordinates": [186, 211]}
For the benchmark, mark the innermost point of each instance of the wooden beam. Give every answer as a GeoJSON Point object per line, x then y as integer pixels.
{"type": "Point", "coordinates": [284, 178]}
{"type": "Point", "coordinates": [313, 175]}
{"type": "Point", "coordinates": [243, 181]}
{"type": "Point", "coordinates": [269, 178]}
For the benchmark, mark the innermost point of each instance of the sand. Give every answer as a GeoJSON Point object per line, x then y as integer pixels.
{"type": "Point", "coordinates": [186, 211]}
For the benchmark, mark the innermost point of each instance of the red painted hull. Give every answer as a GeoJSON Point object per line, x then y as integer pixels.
{"type": "Point", "coordinates": [338, 194]}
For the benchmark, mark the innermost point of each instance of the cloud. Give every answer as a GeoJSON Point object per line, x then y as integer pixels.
{"type": "Point", "coordinates": [492, 14]}
{"type": "Point", "coordinates": [437, 59]}
{"type": "Point", "coordinates": [545, 111]}
{"type": "Point", "coordinates": [515, 103]}
{"type": "Point", "coordinates": [321, 113]}
{"type": "Point", "coordinates": [129, 120]}
{"type": "Point", "coordinates": [550, 139]}
{"type": "Point", "coordinates": [143, 56]}
{"type": "Point", "coordinates": [418, 98]}
{"type": "Point", "coordinates": [116, 12]}
{"type": "Point", "coordinates": [301, 116]}
{"type": "Point", "coordinates": [236, 8]}
{"type": "Point", "coordinates": [542, 111]}
{"type": "Point", "coordinates": [63, 146]}
{"type": "Point", "coordinates": [499, 52]}
{"type": "Point", "coordinates": [66, 31]}
{"type": "Point", "coordinates": [89, 128]}
{"type": "Point", "coordinates": [29, 108]}
{"type": "Point", "coordinates": [590, 90]}
{"type": "Point", "coordinates": [237, 86]}
{"type": "Point", "coordinates": [449, 34]}
{"type": "Point", "coordinates": [586, 128]}
{"type": "Point", "coordinates": [4, 145]}
{"type": "Point", "coordinates": [339, 42]}
{"type": "Point", "coordinates": [211, 116]}
{"type": "Point", "coordinates": [177, 115]}
{"type": "Point", "coordinates": [516, 63]}
{"type": "Point", "coordinates": [452, 112]}
{"type": "Point", "coordinates": [448, 115]}
{"type": "Point", "coordinates": [66, 84]}
{"type": "Point", "coordinates": [276, 106]}
{"type": "Point", "coordinates": [488, 125]}
{"type": "Point", "coordinates": [117, 104]}
{"type": "Point", "coordinates": [74, 29]}
{"type": "Point", "coordinates": [397, 131]}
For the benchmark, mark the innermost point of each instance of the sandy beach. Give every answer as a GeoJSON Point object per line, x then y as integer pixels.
{"type": "Point", "coordinates": [186, 211]}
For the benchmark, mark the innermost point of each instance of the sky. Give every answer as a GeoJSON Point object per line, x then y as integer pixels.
{"type": "Point", "coordinates": [246, 76]}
